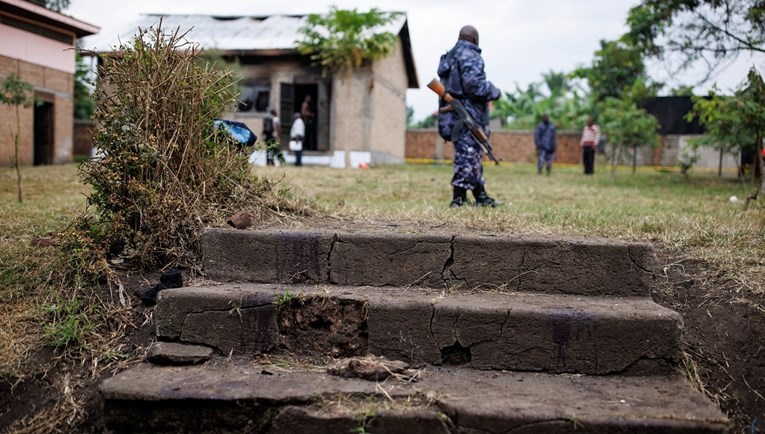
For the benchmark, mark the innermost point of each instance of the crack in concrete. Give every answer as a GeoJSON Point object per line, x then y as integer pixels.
{"type": "Point", "coordinates": [625, 371]}
{"type": "Point", "coordinates": [449, 261]}
{"type": "Point", "coordinates": [502, 326]}
{"type": "Point", "coordinates": [432, 335]}
{"type": "Point", "coordinates": [635, 262]}
{"type": "Point", "coordinates": [335, 240]}
{"type": "Point", "coordinates": [448, 267]}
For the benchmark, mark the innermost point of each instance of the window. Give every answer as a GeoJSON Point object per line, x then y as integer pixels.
{"type": "Point", "coordinates": [255, 97]}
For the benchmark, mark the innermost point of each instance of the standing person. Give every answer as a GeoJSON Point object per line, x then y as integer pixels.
{"type": "Point", "coordinates": [544, 139]}
{"type": "Point", "coordinates": [271, 132]}
{"type": "Point", "coordinates": [461, 70]}
{"type": "Point", "coordinates": [589, 143]}
{"type": "Point", "coordinates": [308, 117]}
{"type": "Point", "coordinates": [297, 135]}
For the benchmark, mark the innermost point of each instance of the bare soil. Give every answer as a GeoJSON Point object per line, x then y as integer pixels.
{"type": "Point", "coordinates": [724, 329]}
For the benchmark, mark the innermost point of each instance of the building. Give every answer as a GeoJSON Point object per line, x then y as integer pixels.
{"type": "Point", "coordinates": [363, 114]}
{"type": "Point", "coordinates": [38, 45]}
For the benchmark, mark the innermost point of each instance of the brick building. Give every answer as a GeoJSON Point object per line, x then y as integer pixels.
{"type": "Point", "coordinates": [363, 114]}
{"type": "Point", "coordinates": [37, 44]}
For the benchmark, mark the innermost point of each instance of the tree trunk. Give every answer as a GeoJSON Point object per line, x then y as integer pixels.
{"type": "Point", "coordinates": [634, 159]}
{"type": "Point", "coordinates": [719, 164]}
{"type": "Point", "coordinates": [760, 161]}
{"type": "Point", "coordinates": [16, 156]}
{"type": "Point", "coordinates": [616, 156]}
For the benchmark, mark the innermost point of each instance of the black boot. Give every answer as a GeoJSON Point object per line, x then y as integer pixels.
{"type": "Point", "coordinates": [483, 199]}
{"type": "Point", "coordinates": [459, 197]}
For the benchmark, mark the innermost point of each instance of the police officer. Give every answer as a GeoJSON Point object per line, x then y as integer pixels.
{"type": "Point", "coordinates": [461, 72]}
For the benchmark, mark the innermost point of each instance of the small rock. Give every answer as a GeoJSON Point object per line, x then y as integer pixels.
{"type": "Point", "coordinates": [169, 353]}
{"type": "Point", "coordinates": [369, 368]}
{"type": "Point", "coordinates": [240, 220]}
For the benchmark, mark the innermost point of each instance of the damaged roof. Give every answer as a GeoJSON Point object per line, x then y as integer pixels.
{"type": "Point", "coordinates": [243, 35]}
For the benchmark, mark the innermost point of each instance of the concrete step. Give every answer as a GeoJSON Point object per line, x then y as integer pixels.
{"type": "Point", "coordinates": [484, 330]}
{"type": "Point", "coordinates": [248, 397]}
{"type": "Point", "coordinates": [514, 262]}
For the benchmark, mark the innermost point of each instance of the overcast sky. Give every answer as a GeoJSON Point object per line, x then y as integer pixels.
{"type": "Point", "coordinates": [520, 39]}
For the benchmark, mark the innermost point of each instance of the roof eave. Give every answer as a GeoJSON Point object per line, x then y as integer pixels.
{"type": "Point", "coordinates": [49, 17]}
{"type": "Point", "coordinates": [411, 69]}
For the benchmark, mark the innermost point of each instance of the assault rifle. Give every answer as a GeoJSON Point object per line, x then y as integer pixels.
{"type": "Point", "coordinates": [463, 114]}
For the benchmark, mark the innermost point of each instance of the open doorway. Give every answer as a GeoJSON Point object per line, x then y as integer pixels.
{"type": "Point", "coordinates": [292, 98]}
{"type": "Point", "coordinates": [306, 96]}
{"type": "Point", "coordinates": [43, 133]}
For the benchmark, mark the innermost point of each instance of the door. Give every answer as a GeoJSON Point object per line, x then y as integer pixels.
{"type": "Point", "coordinates": [286, 109]}
{"type": "Point", "coordinates": [43, 133]}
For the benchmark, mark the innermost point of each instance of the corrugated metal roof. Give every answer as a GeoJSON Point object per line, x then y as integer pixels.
{"type": "Point", "coordinates": [275, 32]}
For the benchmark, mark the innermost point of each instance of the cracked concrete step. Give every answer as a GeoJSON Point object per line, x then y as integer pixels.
{"type": "Point", "coordinates": [247, 397]}
{"type": "Point", "coordinates": [519, 263]}
{"type": "Point", "coordinates": [490, 330]}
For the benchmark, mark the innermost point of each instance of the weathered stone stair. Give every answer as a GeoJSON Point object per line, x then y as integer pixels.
{"type": "Point", "coordinates": [510, 334]}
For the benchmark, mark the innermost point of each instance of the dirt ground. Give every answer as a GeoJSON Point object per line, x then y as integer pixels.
{"type": "Point", "coordinates": [724, 337]}
{"type": "Point", "coordinates": [724, 329]}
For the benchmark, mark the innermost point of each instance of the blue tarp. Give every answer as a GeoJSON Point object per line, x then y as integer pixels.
{"type": "Point", "coordinates": [239, 131]}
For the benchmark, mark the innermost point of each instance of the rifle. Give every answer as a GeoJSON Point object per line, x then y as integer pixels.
{"type": "Point", "coordinates": [456, 105]}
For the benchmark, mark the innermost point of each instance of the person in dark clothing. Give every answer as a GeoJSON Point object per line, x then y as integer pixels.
{"type": "Point", "coordinates": [461, 71]}
{"type": "Point", "coordinates": [544, 139]}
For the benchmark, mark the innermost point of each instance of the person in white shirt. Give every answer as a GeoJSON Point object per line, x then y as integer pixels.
{"type": "Point", "coordinates": [589, 143]}
{"type": "Point", "coordinates": [297, 135]}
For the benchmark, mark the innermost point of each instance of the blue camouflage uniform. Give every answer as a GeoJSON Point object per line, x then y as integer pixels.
{"type": "Point", "coordinates": [461, 72]}
{"type": "Point", "coordinates": [544, 139]}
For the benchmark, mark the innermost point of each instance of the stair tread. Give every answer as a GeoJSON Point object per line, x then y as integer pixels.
{"type": "Point", "coordinates": [220, 295]}
{"type": "Point", "coordinates": [487, 330]}
{"type": "Point", "coordinates": [473, 397]}
{"type": "Point", "coordinates": [518, 262]}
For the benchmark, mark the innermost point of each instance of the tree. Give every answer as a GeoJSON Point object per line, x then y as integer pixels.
{"type": "Point", "coordinates": [714, 32]}
{"type": "Point", "coordinates": [17, 93]}
{"type": "Point", "coordinates": [563, 100]}
{"type": "Point", "coordinates": [627, 125]}
{"type": "Point", "coordinates": [616, 67]}
{"type": "Point", "coordinates": [735, 123]}
{"type": "Point", "coordinates": [345, 40]}
{"type": "Point", "coordinates": [56, 5]}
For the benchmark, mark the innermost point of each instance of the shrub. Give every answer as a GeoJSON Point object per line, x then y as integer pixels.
{"type": "Point", "coordinates": [166, 172]}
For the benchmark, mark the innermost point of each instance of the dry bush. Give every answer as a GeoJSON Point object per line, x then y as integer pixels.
{"type": "Point", "coordinates": [166, 172]}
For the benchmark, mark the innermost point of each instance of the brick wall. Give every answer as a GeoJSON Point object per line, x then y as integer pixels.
{"type": "Point", "coordinates": [55, 87]}
{"type": "Point", "coordinates": [370, 110]}
{"type": "Point", "coordinates": [509, 146]}
{"type": "Point", "coordinates": [388, 94]}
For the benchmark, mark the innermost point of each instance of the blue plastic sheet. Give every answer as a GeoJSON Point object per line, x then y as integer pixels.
{"type": "Point", "coordinates": [239, 131]}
